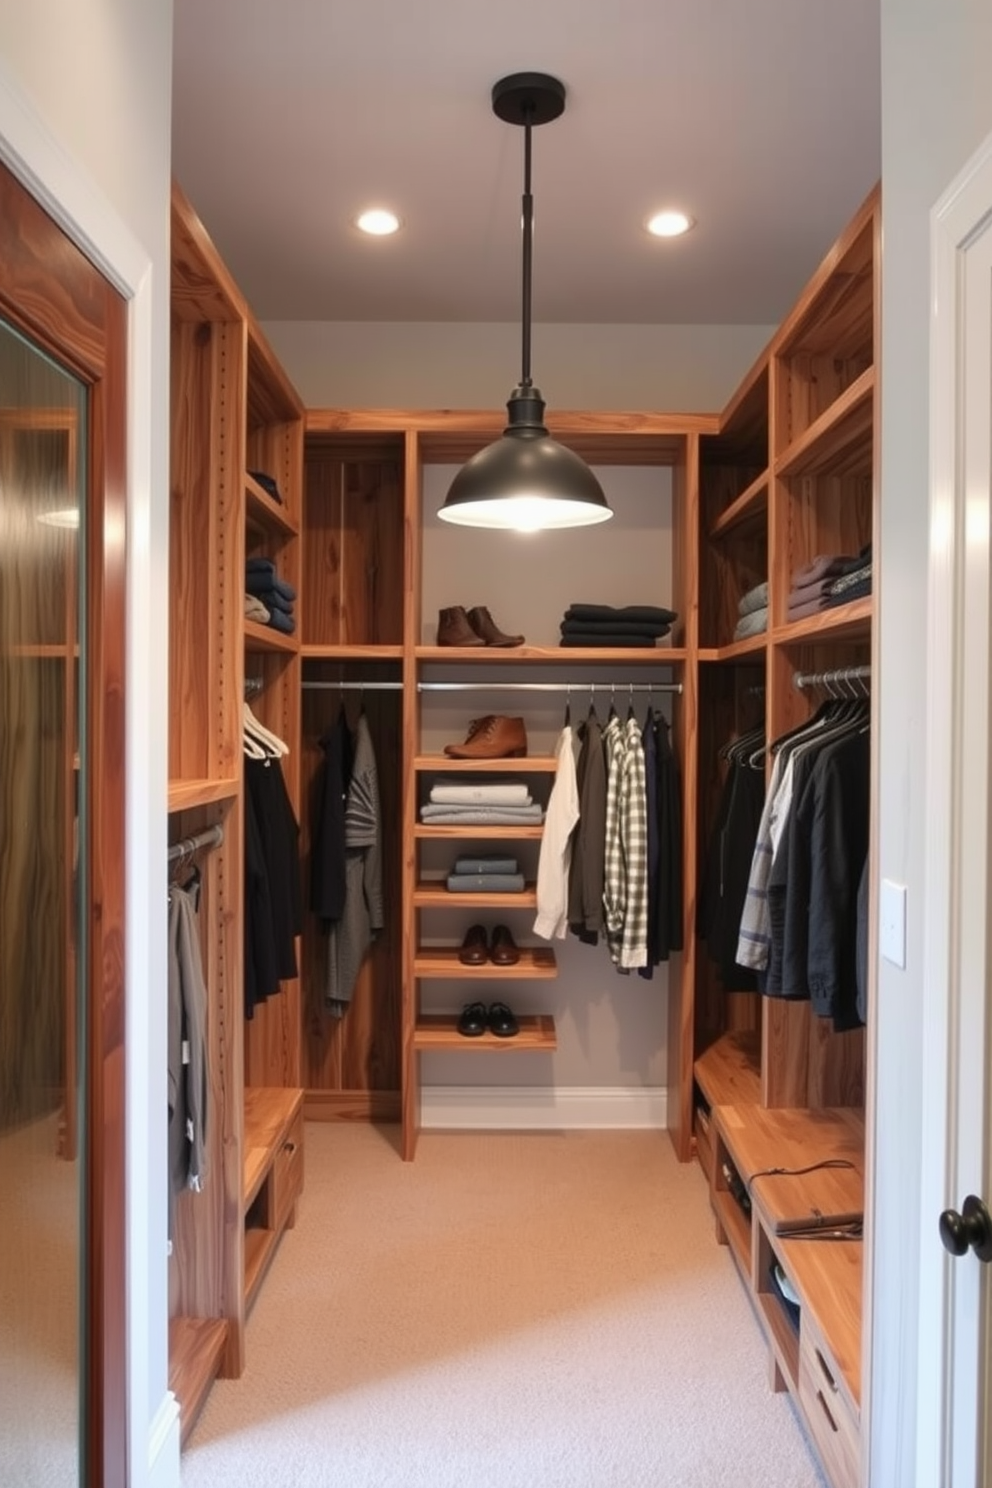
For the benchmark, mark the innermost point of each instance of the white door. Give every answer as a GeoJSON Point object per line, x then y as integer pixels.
{"type": "Point", "coordinates": [954, 1446]}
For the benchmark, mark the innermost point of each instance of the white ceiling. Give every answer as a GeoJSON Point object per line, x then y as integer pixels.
{"type": "Point", "coordinates": [760, 117]}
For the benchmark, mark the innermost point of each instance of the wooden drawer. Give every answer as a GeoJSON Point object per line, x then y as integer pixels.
{"type": "Point", "coordinates": [832, 1420]}
{"type": "Point", "coordinates": [287, 1172]}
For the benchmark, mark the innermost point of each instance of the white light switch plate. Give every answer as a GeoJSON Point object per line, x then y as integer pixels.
{"type": "Point", "coordinates": [892, 922]}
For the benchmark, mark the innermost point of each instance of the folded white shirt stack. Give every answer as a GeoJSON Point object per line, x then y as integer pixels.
{"type": "Point", "coordinates": [481, 805]}
{"type": "Point", "coordinates": [483, 794]}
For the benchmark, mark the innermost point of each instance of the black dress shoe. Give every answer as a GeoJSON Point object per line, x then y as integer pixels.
{"type": "Point", "coordinates": [474, 1020]}
{"type": "Point", "coordinates": [503, 950]}
{"type": "Point", "coordinates": [502, 1021]}
{"type": "Point", "coordinates": [474, 949]}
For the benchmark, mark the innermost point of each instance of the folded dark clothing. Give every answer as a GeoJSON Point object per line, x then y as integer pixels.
{"type": "Point", "coordinates": [618, 642]}
{"type": "Point", "coordinates": [614, 627]}
{"type": "Point", "coordinates": [259, 582]}
{"type": "Point", "coordinates": [486, 883]}
{"type": "Point", "coordinates": [848, 580]}
{"type": "Point", "coordinates": [485, 865]}
{"type": "Point", "coordinates": [260, 565]}
{"type": "Point", "coordinates": [856, 591]}
{"type": "Point", "coordinates": [279, 620]}
{"type": "Point", "coordinates": [267, 483]}
{"type": "Point", "coordinates": [626, 612]}
{"type": "Point", "coordinates": [273, 600]}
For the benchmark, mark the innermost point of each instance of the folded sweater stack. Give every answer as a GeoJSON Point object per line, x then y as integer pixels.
{"type": "Point", "coordinates": [485, 876]}
{"type": "Point", "coordinates": [830, 579]}
{"type": "Point", "coordinates": [507, 804]}
{"type": "Point", "coordinates": [262, 583]}
{"type": "Point", "coordinates": [753, 612]}
{"type": "Point", "coordinates": [635, 626]}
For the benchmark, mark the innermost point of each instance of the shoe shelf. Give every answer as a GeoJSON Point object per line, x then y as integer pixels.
{"type": "Point", "coordinates": [434, 894]}
{"type": "Point", "coordinates": [439, 1031]}
{"type": "Point", "coordinates": [537, 963]}
{"type": "Point", "coordinates": [529, 764]}
{"type": "Point", "coordinates": [558, 655]}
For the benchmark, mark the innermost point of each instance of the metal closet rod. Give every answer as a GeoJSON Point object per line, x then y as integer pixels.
{"type": "Point", "coordinates": [211, 837]}
{"type": "Point", "coordinates": [827, 679]}
{"type": "Point", "coordinates": [578, 687]}
{"type": "Point", "coordinates": [492, 686]}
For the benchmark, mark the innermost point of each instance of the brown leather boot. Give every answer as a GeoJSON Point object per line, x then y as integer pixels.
{"type": "Point", "coordinates": [492, 737]}
{"type": "Point", "coordinates": [453, 628]}
{"type": "Point", "coordinates": [485, 626]}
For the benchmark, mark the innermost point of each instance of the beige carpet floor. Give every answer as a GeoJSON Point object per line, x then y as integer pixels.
{"type": "Point", "coordinates": [509, 1311]}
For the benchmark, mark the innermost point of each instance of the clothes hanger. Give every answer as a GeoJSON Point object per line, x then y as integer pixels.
{"type": "Point", "coordinates": [568, 707]}
{"type": "Point", "coordinates": [271, 744]}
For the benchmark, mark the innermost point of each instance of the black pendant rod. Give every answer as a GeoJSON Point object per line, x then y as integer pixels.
{"type": "Point", "coordinates": [528, 230]}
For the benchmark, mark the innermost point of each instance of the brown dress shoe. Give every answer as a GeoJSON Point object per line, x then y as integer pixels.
{"type": "Point", "coordinates": [485, 626]}
{"type": "Point", "coordinates": [503, 949]}
{"type": "Point", "coordinates": [492, 737]}
{"type": "Point", "coordinates": [453, 628]}
{"type": "Point", "coordinates": [474, 949]}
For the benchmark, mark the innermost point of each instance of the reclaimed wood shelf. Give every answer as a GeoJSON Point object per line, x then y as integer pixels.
{"type": "Point", "coordinates": [729, 1071]}
{"type": "Point", "coordinates": [559, 655]}
{"type": "Point", "coordinates": [346, 651]}
{"type": "Point", "coordinates": [843, 428]}
{"type": "Point", "coordinates": [752, 503]}
{"type": "Point", "coordinates": [536, 963]}
{"type": "Point", "coordinates": [468, 833]}
{"type": "Point", "coordinates": [439, 1031]}
{"type": "Point", "coordinates": [736, 650]}
{"type": "Point", "coordinates": [186, 793]}
{"type": "Point", "coordinates": [531, 763]}
{"type": "Point", "coordinates": [264, 638]}
{"type": "Point", "coordinates": [433, 894]}
{"type": "Point", "coordinates": [196, 1347]}
{"type": "Point", "coordinates": [850, 622]}
{"type": "Point", "coordinates": [263, 512]}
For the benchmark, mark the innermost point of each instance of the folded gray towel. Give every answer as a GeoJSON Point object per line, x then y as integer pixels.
{"type": "Point", "coordinates": [752, 624]}
{"type": "Point", "coordinates": [486, 883]}
{"type": "Point", "coordinates": [485, 865]}
{"type": "Point", "coordinates": [510, 794]}
{"type": "Point", "coordinates": [754, 599]}
{"type": "Point", "coordinates": [468, 811]}
{"type": "Point", "coordinates": [484, 816]}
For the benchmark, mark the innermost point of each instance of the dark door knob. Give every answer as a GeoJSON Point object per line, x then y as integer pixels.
{"type": "Point", "coordinates": [973, 1226]}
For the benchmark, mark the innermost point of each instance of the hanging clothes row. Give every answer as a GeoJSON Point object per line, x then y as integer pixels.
{"type": "Point", "coordinates": [727, 863]}
{"type": "Point", "coordinates": [611, 861]}
{"type": "Point", "coordinates": [346, 860]}
{"type": "Point", "coordinates": [783, 902]}
{"type": "Point", "coordinates": [186, 1036]}
{"type": "Point", "coordinates": [273, 914]}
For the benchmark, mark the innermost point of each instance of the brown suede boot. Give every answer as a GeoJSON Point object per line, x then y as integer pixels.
{"type": "Point", "coordinates": [485, 626]}
{"type": "Point", "coordinates": [453, 628]}
{"type": "Point", "coordinates": [492, 737]}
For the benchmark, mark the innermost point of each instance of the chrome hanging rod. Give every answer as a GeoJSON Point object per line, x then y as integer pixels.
{"type": "Point", "coordinates": [352, 686]}
{"type": "Point", "coordinates": [212, 837]}
{"type": "Point", "coordinates": [829, 679]}
{"type": "Point", "coordinates": [578, 687]}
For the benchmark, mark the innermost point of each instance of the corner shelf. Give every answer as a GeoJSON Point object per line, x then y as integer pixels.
{"type": "Point", "coordinates": [536, 963]}
{"type": "Point", "coordinates": [845, 426]}
{"type": "Point", "coordinates": [263, 512]}
{"type": "Point", "coordinates": [850, 622]}
{"type": "Point", "coordinates": [264, 638]}
{"type": "Point", "coordinates": [750, 504]}
{"type": "Point", "coordinates": [439, 1031]}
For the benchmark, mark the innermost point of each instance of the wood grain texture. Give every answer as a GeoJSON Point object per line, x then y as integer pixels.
{"type": "Point", "coordinates": [439, 1031]}
{"type": "Point", "coordinates": [196, 1346]}
{"type": "Point", "coordinates": [729, 1071]}
{"type": "Point", "coordinates": [353, 585]}
{"type": "Point", "coordinates": [536, 963]}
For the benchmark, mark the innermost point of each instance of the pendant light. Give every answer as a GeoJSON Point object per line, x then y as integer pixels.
{"type": "Point", "coordinates": [526, 480]}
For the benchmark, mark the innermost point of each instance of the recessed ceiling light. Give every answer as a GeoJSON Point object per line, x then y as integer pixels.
{"type": "Point", "coordinates": [378, 222]}
{"type": "Point", "coordinates": [669, 224]}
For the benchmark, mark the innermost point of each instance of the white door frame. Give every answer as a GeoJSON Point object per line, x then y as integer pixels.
{"type": "Point", "coordinates": [68, 193]}
{"type": "Point", "coordinates": [954, 1293]}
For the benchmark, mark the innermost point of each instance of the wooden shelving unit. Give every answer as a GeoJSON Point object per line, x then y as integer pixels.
{"type": "Point", "coordinates": [439, 1031]}
{"type": "Point", "coordinates": [434, 894]}
{"type": "Point", "coordinates": [536, 963]}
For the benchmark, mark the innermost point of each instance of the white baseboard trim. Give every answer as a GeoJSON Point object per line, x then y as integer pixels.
{"type": "Point", "coordinates": [542, 1108]}
{"type": "Point", "coordinates": [163, 1445]}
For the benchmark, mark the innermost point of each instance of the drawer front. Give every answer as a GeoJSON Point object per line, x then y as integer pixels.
{"type": "Point", "coordinates": [287, 1172]}
{"type": "Point", "coordinates": [832, 1424]}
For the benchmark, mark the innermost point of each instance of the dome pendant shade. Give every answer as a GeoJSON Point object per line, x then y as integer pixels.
{"type": "Point", "coordinates": [526, 481]}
